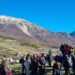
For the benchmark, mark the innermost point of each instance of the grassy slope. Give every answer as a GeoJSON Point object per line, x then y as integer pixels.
{"type": "Point", "coordinates": [11, 47]}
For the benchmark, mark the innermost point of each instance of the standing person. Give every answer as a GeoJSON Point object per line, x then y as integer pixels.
{"type": "Point", "coordinates": [34, 67]}
{"type": "Point", "coordinates": [66, 68]}
{"type": "Point", "coordinates": [27, 65]}
{"type": "Point", "coordinates": [73, 64]}
{"type": "Point", "coordinates": [66, 65]}
{"type": "Point", "coordinates": [67, 49]}
{"type": "Point", "coordinates": [57, 66]}
{"type": "Point", "coordinates": [9, 72]}
{"type": "Point", "coordinates": [23, 67]}
{"type": "Point", "coordinates": [4, 68]}
{"type": "Point", "coordinates": [49, 58]}
{"type": "Point", "coordinates": [62, 48]}
{"type": "Point", "coordinates": [41, 64]}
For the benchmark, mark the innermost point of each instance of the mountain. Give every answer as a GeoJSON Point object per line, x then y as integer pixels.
{"type": "Point", "coordinates": [21, 29]}
{"type": "Point", "coordinates": [72, 34]}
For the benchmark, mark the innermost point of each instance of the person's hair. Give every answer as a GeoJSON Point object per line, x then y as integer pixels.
{"type": "Point", "coordinates": [3, 62]}
{"type": "Point", "coordinates": [27, 57]}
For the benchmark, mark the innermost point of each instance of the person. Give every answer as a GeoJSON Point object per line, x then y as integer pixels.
{"type": "Point", "coordinates": [41, 65]}
{"type": "Point", "coordinates": [3, 66]}
{"type": "Point", "coordinates": [9, 72]}
{"type": "Point", "coordinates": [73, 64]}
{"type": "Point", "coordinates": [62, 48]}
{"type": "Point", "coordinates": [4, 70]}
{"type": "Point", "coordinates": [66, 64]}
{"type": "Point", "coordinates": [49, 58]}
{"type": "Point", "coordinates": [56, 68]}
{"type": "Point", "coordinates": [27, 65]}
{"type": "Point", "coordinates": [34, 66]}
{"type": "Point", "coordinates": [67, 49]}
{"type": "Point", "coordinates": [23, 67]}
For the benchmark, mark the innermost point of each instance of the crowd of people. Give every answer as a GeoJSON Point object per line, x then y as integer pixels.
{"type": "Point", "coordinates": [36, 64]}
{"type": "Point", "coordinates": [33, 65]}
{"type": "Point", "coordinates": [66, 60]}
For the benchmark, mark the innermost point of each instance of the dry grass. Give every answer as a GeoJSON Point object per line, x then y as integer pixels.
{"type": "Point", "coordinates": [12, 47]}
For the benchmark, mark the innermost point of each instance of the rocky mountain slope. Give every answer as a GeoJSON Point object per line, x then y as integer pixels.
{"type": "Point", "coordinates": [21, 29]}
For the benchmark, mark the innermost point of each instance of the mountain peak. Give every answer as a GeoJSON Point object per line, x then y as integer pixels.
{"type": "Point", "coordinates": [9, 18]}
{"type": "Point", "coordinates": [8, 22]}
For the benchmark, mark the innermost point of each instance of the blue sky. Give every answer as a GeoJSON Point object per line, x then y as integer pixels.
{"type": "Point", "coordinates": [54, 15]}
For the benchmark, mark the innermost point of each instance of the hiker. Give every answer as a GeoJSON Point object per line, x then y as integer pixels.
{"type": "Point", "coordinates": [49, 58]}
{"type": "Point", "coordinates": [3, 66]}
{"type": "Point", "coordinates": [62, 48]}
{"type": "Point", "coordinates": [41, 65]}
{"type": "Point", "coordinates": [9, 72]}
{"type": "Point", "coordinates": [56, 68]}
{"type": "Point", "coordinates": [66, 64]}
{"type": "Point", "coordinates": [67, 49]}
{"type": "Point", "coordinates": [22, 63]}
{"type": "Point", "coordinates": [4, 70]}
{"type": "Point", "coordinates": [34, 66]}
{"type": "Point", "coordinates": [27, 65]}
{"type": "Point", "coordinates": [73, 64]}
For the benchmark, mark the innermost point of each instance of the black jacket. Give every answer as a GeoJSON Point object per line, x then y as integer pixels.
{"type": "Point", "coordinates": [2, 70]}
